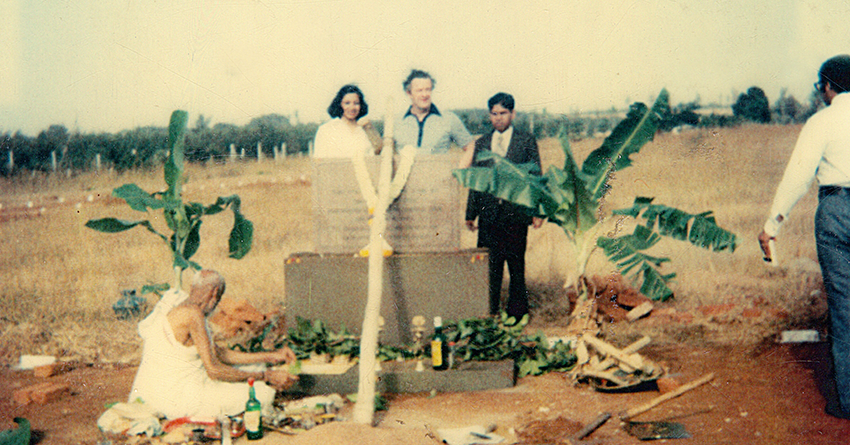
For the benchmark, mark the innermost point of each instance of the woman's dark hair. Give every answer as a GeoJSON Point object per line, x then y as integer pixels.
{"type": "Point", "coordinates": [335, 108]}
{"type": "Point", "coordinates": [836, 71]}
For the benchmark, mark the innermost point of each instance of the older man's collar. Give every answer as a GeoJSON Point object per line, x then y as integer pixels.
{"type": "Point", "coordinates": [432, 110]}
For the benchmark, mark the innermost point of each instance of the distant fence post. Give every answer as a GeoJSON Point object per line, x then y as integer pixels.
{"type": "Point", "coordinates": [232, 152]}
{"type": "Point", "coordinates": [97, 162]}
{"type": "Point", "coordinates": [242, 153]}
{"type": "Point", "coordinates": [11, 164]}
{"type": "Point", "coordinates": [53, 161]}
{"type": "Point", "coordinates": [259, 152]}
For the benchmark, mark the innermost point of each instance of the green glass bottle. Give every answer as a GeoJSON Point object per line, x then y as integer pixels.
{"type": "Point", "coordinates": [439, 350]}
{"type": "Point", "coordinates": [253, 419]}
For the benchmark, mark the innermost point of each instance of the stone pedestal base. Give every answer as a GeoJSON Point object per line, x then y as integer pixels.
{"type": "Point", "coordinates": [402, 377]}
{"type": "Point", "coordinates": [333, 288]}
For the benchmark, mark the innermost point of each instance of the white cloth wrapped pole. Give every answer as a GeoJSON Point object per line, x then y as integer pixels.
{"type": "Point", "coordinates": [364, 182]}
{"type": "Point", "coordinates": [364, 409]}
{"type": "Point", "coordinates": [408, 153]}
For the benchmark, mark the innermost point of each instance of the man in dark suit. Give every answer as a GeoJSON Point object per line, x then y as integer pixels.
{"type": "Point", "coordinates": [503, 226]}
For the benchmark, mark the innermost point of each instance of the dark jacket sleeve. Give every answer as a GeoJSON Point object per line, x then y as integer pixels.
{"type": "Point", "coordinates": [528, 151]}
{"type": "Point", "coordinates": [472, 205]}
{"type": "Point", "coordinates": [474, 201]}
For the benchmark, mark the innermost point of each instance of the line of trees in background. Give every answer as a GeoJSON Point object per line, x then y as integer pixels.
{"type": "Point", "coordinates": [145, 147]}
{"type": "Point", "coordinates": [142, 148]}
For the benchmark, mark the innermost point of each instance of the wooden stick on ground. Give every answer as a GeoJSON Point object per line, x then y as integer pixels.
{"type": "Point", "coordinates": [630, 349]}
{"type": "Point", "coordinates": [633, 360]}
{"type": "Point", "coordinates": [665, 397]}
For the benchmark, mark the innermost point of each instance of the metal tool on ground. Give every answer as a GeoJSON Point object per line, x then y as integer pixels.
{"type": "Point", "coordinates": [660, 429]}
{"type": "Point", "coordinates": [663, 428]}
{"type": "Point", "coordinates": [656, 430]}
{"type": "Point", "coordinates": [579, 437]}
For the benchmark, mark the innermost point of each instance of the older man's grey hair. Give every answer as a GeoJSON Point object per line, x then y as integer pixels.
{"type": "Point", "coordinates": [209, 279]}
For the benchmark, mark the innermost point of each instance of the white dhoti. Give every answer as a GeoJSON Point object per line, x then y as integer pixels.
{"type": "Point", "coordinates": [171, 377]}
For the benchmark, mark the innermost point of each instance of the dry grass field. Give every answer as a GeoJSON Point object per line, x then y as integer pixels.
{"type": "Point", "coordinates": [59, 279]}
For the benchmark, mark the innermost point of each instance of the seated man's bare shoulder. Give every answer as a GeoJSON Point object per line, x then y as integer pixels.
{"type": "Point", "coordinates": [185, 319]}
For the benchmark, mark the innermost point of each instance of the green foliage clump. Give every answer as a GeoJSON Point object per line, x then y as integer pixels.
{"type": "Point", "coordinates": [476, 339]}
{"type": "Point", "coordinates": [313, 337]}
{"type": "Point", "coordinates": [492, 339]}
{"type": "Point", "coordinates": [752, 105]}
{"type": "Point", "coordinates": [257, 343]}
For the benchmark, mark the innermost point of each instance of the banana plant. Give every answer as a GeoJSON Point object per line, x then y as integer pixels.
{"type": "Point", "coordinates": [572, 197]}
{"type": "Point", "coordinates": [183, 219]}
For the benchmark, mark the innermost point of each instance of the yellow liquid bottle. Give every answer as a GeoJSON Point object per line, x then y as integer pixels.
{"type": "Point", "coordinates": [439, 350]}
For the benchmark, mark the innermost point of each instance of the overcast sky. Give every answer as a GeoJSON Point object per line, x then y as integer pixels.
{"type": "Point", "coordinates": [109, 65]}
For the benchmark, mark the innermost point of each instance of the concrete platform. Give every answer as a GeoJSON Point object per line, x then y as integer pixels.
{"type": "Point", "coordinates": [333, 288]}
{"type": "Point", "coordinates": [402, 377]}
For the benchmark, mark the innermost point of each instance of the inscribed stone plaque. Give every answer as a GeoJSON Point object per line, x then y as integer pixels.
{"type": "Point", "coordinates": [425, 218]}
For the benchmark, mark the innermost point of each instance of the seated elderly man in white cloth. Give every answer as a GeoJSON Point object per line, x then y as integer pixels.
{"type": "Point", "coordinates": [183, 373]}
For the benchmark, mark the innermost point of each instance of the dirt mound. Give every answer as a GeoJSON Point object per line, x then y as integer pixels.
{"type": "Point", "coordinates": [552, 431]}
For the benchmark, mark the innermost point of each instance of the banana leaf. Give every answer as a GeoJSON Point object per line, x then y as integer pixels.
{"type": "Point", "coordinates": [654, 284]}
{"type": "Point", "coordinates": [627, 253]}
{"type": "Point", "coordinates": [184, 220]}
{"type": "Point", "coordinates": [138, 199]}
{"type": "Point", "coordinates": [175, 144]}
{"type": "Point", "coordinates": [569, 197]}
{"type": "Point", "coordinates": [241, 236]}
{"type": "Point", "coordinates": [115, 225]}
{"type": "Point", "coordinates": [699, 229]}
{"type": "Point", "coordinates": [560, 195]}
{"type": "Point", "coordinates": [517, 183]}
{"type": "Point", "coordinates": [175, 213]}
{"type": "Point", "coordinates": [568, 203]}
{"type": "Point", "coordinates": [627, 138]}
{"type": "Point", "coordinates": [191, 241]}
{"type": "Point", "coordinates": [158, 289]}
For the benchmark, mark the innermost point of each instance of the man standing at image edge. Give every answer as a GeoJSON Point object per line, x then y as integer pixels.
{"type": "Point", "coordinates": [822, 151]}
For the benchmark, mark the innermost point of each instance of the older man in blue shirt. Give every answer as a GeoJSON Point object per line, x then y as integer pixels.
{"type": "Point", "coordinates": [424, 126]}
